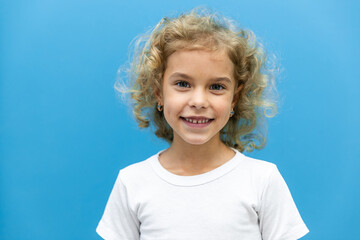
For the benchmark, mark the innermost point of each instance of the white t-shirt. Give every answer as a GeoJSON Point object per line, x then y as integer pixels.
{"type": "Point", "coordinates": [244, 198]}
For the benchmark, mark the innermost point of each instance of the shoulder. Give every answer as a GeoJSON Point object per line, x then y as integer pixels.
{"type": "Point", "coordinates": [136, 168]}
{"type": "Point", "coordinates": [257, 166]}
{"type": "Point", "coordinates": [256, 172]}
{"type": "Point", "coordinates": [137, 172]}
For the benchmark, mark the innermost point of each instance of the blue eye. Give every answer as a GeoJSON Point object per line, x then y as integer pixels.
{"type": "Point", "coordinates": [217, 87]}
{"type": "Point", "coordinates": [183, 84]}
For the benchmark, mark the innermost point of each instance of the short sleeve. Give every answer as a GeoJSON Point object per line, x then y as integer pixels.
{"type": "Point", "coordinates": [279, 218]}
{"type": "Point", "coordinates": [118, 221]}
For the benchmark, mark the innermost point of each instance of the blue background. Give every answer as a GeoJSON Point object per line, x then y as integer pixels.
{"type": "Point", "coordinates": [65, 134]}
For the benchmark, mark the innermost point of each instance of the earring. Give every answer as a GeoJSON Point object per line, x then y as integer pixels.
{"type": "Point", "coordinates": [232, 112]}
{"type": "Point", "coordinates": [159, 107]}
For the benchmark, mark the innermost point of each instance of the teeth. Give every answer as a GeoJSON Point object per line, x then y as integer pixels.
{"type": "Point", "coordinates": [197, 121]}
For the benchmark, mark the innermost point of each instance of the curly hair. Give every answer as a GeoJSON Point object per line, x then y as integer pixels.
{"type": "Point", "coordinates": [200, 29]}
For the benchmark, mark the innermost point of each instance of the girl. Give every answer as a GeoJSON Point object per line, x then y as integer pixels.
{"type": "Point", "coordinates": [202, 83]}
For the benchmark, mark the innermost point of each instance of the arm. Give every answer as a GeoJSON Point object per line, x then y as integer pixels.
{"type": "Point", "coordinates": [278, 214]}
{"type": "Point", "coordinates": [118, 221]}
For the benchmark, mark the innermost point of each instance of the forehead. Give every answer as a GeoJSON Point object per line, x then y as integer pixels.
{"type": "Point", "coordinates": [200, 62]}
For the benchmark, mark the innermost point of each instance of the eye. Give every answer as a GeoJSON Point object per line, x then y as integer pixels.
{"type": "Point", "coordinates": [217, 87]}
{"type": "Point", "coordinates": [183, 84]}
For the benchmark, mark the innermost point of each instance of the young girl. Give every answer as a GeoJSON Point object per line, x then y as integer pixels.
{"type": "Point", "coordinates": [202, 83]}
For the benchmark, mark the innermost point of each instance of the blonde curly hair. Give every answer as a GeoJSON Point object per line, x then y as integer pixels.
{"type": "Point", "coordinates": [200, 29]}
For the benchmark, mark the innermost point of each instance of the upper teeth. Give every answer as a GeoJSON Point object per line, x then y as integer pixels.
{"type": "Point", "coordinates": [197, 121]}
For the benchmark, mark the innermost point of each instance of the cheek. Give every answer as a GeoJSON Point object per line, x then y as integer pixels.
{"type": "Point", "coordinates": [171, 109]}
{"type": "Point", "coordinates": [224, 106]}
{"type": "Point", "coordinates": [173, 102]}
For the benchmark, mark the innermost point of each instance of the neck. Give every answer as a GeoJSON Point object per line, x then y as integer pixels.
{"type": "Point", "coordinates": [196, 158]}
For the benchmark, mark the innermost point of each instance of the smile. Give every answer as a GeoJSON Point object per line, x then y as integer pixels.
{"type": "Point", "coordinates": [197, 121]}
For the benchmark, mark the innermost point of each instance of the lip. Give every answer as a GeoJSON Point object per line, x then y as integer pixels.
{"type": "Point", "coordinates": [197, 117]}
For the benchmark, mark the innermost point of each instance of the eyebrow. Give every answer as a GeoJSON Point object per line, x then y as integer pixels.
{"type": "Point", "coordinates": [185, 76]}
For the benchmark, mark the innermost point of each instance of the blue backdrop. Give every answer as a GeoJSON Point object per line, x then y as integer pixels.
{"type": "Point", "coordinates": [65, 135]}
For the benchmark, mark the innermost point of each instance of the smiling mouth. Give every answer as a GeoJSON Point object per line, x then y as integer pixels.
{"type": "Point", "coordinates": [197, 120]}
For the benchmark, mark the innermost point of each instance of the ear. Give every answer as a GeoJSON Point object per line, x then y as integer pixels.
{"type": "Point", "coordinates": [158, 96]}
{"type": "Point", "coordinates": [237, 95]}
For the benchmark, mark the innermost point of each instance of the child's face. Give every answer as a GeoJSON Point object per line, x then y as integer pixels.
{"type": "Point", "coordinates": [197, 94]}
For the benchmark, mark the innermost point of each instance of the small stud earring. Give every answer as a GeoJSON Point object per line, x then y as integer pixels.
{"type": "Point", "coordinates": [232, 112]}
{"type": "Point", "coordinates": [159, 107]}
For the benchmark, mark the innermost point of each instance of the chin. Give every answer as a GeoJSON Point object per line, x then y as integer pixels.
{"type": "Point", "coordinates": [196, 141]}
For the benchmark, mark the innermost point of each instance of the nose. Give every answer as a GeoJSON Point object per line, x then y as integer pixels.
{"type": "Point", "coordinates": [199, 99]}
